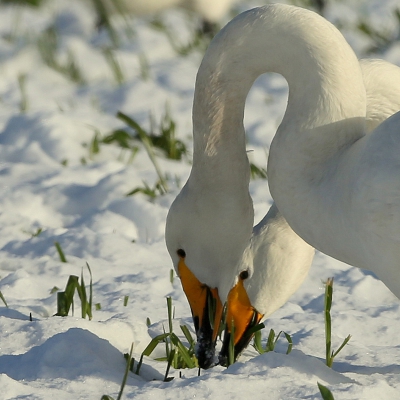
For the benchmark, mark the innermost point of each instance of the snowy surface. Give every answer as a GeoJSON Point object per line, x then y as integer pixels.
{"type": "Point", "coordinates": [50, 180]}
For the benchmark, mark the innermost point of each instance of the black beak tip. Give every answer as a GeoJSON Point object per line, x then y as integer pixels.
{"type": "Point", "coordinates": [205, 352]}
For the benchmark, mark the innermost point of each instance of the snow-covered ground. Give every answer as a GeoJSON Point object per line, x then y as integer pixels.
{"type": "Point", "coordinates": [55, 188]}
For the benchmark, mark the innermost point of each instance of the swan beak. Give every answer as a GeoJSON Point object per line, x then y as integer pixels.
{"type": "Point", "coordinates": [206, 309]}
{"type": "Point", "coordinates": [241, 317]}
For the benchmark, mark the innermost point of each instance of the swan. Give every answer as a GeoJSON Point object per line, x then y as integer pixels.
{"type": "Point", "coordinates": [278, 258]}
{"type": "Point", "coordinates": [209, 225]}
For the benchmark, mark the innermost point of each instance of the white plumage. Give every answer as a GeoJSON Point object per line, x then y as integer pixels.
{"type": "Point", "coordinates": [338, 188]}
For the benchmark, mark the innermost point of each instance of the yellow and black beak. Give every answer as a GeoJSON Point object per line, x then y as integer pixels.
{"type": "Point", "coordinates": [241, 318]}
{"type": "Point", "coordinates": [206, 309]}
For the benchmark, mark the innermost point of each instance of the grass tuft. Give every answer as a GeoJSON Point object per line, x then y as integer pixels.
{"type": "Point", "coordinates": [114, 65]}
{"type": "Point", "coordinates": [144, 137]}
{"type": "Point", "coordinates": [177, 355]}
{"type": "Point", "coordinates": [3, 299]}
{"type": "Point", "coordinates": [330, 354]}
{"type": "Point", "coordinates": [257, 172]}
{"type": "Point", "coordinates": [65, 300]}
{"type": "Point", "coordinates": [271, 341]}
{"type": "Point", "coordinates": [48, 46]}
{"type": "Point", "coordinates": [60, 252]}
{"type": "Point", "coordinates": [325, 392]}
{"type": "Point", "coordinates": [129, 363]}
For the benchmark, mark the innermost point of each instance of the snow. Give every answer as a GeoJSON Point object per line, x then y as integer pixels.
{"type": "Point", "coordinates": [83, 205]}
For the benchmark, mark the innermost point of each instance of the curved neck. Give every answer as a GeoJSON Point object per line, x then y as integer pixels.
{"type": "Point", "coordinates": [324, 77]}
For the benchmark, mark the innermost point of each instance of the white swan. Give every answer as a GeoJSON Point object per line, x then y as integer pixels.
{"type": "Point", "coordinates": [279, 260]}
{"type": "Point", "coordinates": [209, 225]}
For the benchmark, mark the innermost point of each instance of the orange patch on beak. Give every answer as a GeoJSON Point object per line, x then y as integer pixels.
{"type": "Point", "coordinates": [240, 312]}
{"type": "Point", "coordinates": [198, 296]}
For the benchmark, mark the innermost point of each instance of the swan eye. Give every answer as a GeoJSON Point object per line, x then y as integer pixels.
{"type": "Point", "coordinates": [181, 253]}
{"type": "Point", "coordinates": [244, 275]}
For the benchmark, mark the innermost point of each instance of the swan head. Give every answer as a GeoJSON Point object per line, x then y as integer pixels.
{"type": "Point", "coordinates": [206, 234]}
{"type": "Point", "coordinates": [273, 267]}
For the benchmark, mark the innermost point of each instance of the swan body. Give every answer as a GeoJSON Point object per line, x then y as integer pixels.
{"type": "Point", "coordinates": [317, 158]}
{"type": "Point", "coordinates": [278, 258]}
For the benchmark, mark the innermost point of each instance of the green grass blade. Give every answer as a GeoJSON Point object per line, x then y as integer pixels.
{"type": "Point", "coordinates": [139, 365]}
{"type": "Point", "coordinates": [231, 350]}
{"type": "Point", "coordinates": [82, 295]}
{"type": "Point", "coordinates": [62, 310]}
{"type": "Point", "coordinates": [183, 351]}
{"type": "Point", "coordinates": [170, 360]}
{"type": "Point", "coordinates": [126, 299]}
{"type": "Point", "coordinates": [114, 65]}
{"type": "Point", "coordinates": [128, 365]}
{"type": "Point", "coordinates": [169, 308]}
{"type": "Point", "coordinates": [328, 321]}
{"type": "Point", "coordinates": [60, 252]}
{"type": "Point", "coordinates": [270, 345]}
{"type": "Point", "coordinates": [104, 20]}
{"type": "Point", "coordinates": [289, 339]}
{"type": "Point", "coordinates": [257, 342]}
{"type": "Point", "coordinates": [154, 342]}
{"type": "Point", "coordinates": [345, 341]}
{"type": "Point", "coordinates": [325, 392]}
{"type": "Point", "coordinates": [147, 145]}
{"type": "Point", "coordinates": [256, 328]}
{"type": "Point", "coordinates": [3, 299]}
{"type": "Point", "coordinates": [188, 336]}
{"type": "Point", "coordinates": [66, 299]}
{"type": "Point", "coordinates": [90, 302]}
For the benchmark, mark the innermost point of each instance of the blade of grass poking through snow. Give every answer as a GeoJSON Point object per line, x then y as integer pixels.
{"type": "Point", "coordinates": [188, 337]}
{"type": "Point", "coordinates": [271, 341]}
{"type": "Point", "coordinates": [325, 392]}
{"type": "Point", "coordinates": [128, 365]}
{"type": "Point", "coordinates": [86, 305]}
{"type": "Point", "coordinates": [126, 299]}
{"type": "Point", "coordinates": [66, 299]}
{"type": "Point", "coordinates": [330, 354]}
{"type": "Point", "coordinates": [62, 309]}
{"type": "Point", "coordinates": [231, 351]}
{"type": "Point", "coordinates": [60, 252]}
{"type": "Point", "coordinates": [114, 65]}
{"type": "Point", "coordinates": [103, 20]}
{"type": "Point", "coordinates": [257, 343]}
{"type": "Point", "coordinates": [150, 348]}
{"type": "Point", "coordinates": [289, 339]}
{"type": "Point", "coordinates": [89, 311]}
{"type": "Point", "coordinates": [147, 145]}
{"type": "Point", "coordinates": [170, 360]}
{"type": "Point", "coordinates": [3, 299]}
{"type": "Point", "coordinates": [183, 352]}
{"type": "Point", "coordinates": [83, 297]}
{"type": "Point", "coordinates": [169, 308]}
